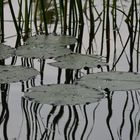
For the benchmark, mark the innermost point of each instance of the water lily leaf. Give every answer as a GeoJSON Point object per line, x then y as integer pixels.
{"type": "Point", "coordinates": [6, 51]}
{"type": "Point", "coordinates": [52, 40]}
{"type": "Point", "coordinates": [39, 51]}
{"type": "Point", "coordinates": [42, 46]}
{"type": "Point", "coordinates": [62, 94]}
{"type": "Point", "coordinates": [78, 61]}
{"type": "Point", "coordinates": [10, 74]}
{"type": "Point", "coordinates": [111, 80]}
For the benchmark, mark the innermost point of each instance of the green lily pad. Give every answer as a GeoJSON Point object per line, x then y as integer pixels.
{"type": "Point", "coordinates": [6, 51]}
{"type": "Point", "coordinates": [39, 51]}
{"type": "Point", "coordinates": [78, 61]}
{"type": "Point", "coordinates": [42, 46]}
{"type": "Point", "coordinates": [10, 74]}
{"type": "Point", "coordinates": [52, 40]}
{"type": "Point", "coordinates": [111, 81]}
{"type": "Point", "coordinates": [62, 94]}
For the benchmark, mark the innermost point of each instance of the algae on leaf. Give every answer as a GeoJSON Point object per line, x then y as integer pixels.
{"type": "Point", "coordinates": [10, 74]}
{"type": "Point", "coordinates": [42, 46]}
{"type": "Point", "coordinates": [39, 51]}
{"type": "Point", "coordinates": [111, 81]}
{"type": "Point", "coordinates": [62, 94]}
{"type": "Point", "coordinates": [78, 61]}
{"type": "Point", "coordinates": [6, 51]}
{"type": "Point", "coordinates": [56, 40]}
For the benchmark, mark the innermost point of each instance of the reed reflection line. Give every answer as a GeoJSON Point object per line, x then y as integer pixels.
{"type": "Point", "coordinates": [4, 116]}
{"type": "Point", "coordinates": [45, 133]}
{"type": "Point", "coordinates": [109, 99]}
{"type": "Point", "coordinates": [131, 118]}
{"type": "Point", "coordinates": [123, 116]}
{"type": "Point", "coordinates": [137, 116]}
{"type": "Point", "coordinates": [67, 125]}
{"type": "Point", "coordinates": [65, 122]}
{"type": "Point", "coordinates": [31, 112]}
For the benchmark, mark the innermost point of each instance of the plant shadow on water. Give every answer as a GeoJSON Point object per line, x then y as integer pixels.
{"type": "Point", "coordinates": [73, 71]}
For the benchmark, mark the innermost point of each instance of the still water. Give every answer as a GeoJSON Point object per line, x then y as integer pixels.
{"type": "Point", "coordinates": [115, 117]}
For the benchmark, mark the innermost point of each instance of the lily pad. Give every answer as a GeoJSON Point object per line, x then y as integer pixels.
{"type": "Point", "coordinates": [52, 40]}
{"type": "Point", "coordinates": [10, 74]}
{"type": "Point", "coordinates": [111, 81]}
{"type": "Point", "coordinates": [62, 94]}
{"type": "Point", "coordinates": [78, 61]}
{"type": "Point", "coordinates": [39, 51]}
{"type": "Point", "coordinates": [6, 51]}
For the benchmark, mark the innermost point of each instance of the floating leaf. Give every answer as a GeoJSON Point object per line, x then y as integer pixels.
{"type": "Point", "coordinates": [39, 51]}
{"type": "Point", "coordinates": [51, 40]}
{"type": "Point", "coordinates": [5, 51]}
{"type": "Point", "coordinates": [42, 46]}
{"type": "Point", "coordinates": [9, 74]}
{"type": "Point", "coordinates": [61, 94]}
{"type": "Point", "coordinates": [111, 80]}
{"type": "Point", "coordinates": [78, 61]}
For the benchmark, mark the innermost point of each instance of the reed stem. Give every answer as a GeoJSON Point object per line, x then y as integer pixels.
{"type": "Point", "coordinates": [44, 16]}
{"type": "Point", "coordinates": [1, 21]}
{"type": "Point", "coordinates": [14, 18]}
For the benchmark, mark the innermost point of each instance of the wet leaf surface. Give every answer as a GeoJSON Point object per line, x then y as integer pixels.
{"type": "Point", "coordinates": [62, 94]}
{"type": "Point", "coordinates": [6, 51]}
{"type": "Point", "coordinates": [111, 81]}
{"type": "Point", "coordinates": [41, 52]}
{"type": "Point", "coordinates": [54, 40]}
{"type": "Point", "coordinates": [42, 46]}
{"type": "Point", "coordinates": [10, 74]}
{"type": "Point", "coordinates": [78, 61]}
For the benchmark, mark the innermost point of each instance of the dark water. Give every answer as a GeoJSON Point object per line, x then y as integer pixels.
{"type": "Point", "coordinates": [115, 117]}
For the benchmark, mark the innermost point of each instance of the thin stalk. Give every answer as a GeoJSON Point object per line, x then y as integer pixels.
{"type": "Point", "coordinates": [57, 17]}
{"type": "Point", "coordinates": [65, 16]}
{"type": "Point", "coordinates": [44, 16]}
{"type": "Point", "coordinates": [1, 21]}
{"type": "Point", "coordinates": [130, 23]}
{"type": "Point", "coordinates": [30, 14]}
{"type": "Point", "coordinates": [26, 18]}
{"type": "Point", "coordinates": [14, 18]}
{"type": "Point", "coordinates": [35, 15]}
{"type": "Point", "coordinates": [20, 15]}
{"type": "Point", "coordinates": [92, 26]}
{"type": "Point", "coordinates": [80, 9]}
{"type": "Point", "coordinates": [75, 19]}
{"type": "Point", "coordinates": [80, 38]}
{"type": "Point", "coordinates": [108, 32]}
{"type": "Point", "coordinates": [121, 53]}
{"type": "Point", "coordinates": [61, 13]}
{"type": "Point", "coordinates": [138, 42]}
{"type": "Point", "coordinates": [70, 15]}
{"type": "Point", "coordinates": [114, 17]}
{"type": "Point", "coordinates": [103, 26]}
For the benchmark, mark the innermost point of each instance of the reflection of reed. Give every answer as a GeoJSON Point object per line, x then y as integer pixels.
{"type": "Point", "coordinates": [109, 98]}
{"type": "Point", "coordinates": [4, 116]}
{"type": "Point", "coordinates": [64, 122]}
{"type": "Point", "coordinates": [129, 123]}
{"type": "Point", "coordinates": [123, 116]}
{"type": "Point", "coordinates": [31, 112]}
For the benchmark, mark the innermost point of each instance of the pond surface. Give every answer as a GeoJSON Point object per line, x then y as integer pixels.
{"type": "Point", "coordinates": [116, 116]}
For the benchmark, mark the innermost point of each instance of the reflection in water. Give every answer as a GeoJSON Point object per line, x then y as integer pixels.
{"type": "Point", "coordinates": [118, 120]}
{"type": "Point", "coordinates": [109, 99]}
{"type": "Point", "coordinates": [61, 122]}
{"type": "Point", "coordinates": [4, 116]}
{"type": "Point", "coordinates": [130, 116]}
{"type": "Point", "coordinates": [119, 112]}
{"type": "Point", "coordinates": [80, 122]}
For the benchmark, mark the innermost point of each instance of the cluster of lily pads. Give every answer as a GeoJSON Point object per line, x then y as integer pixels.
{"type": "Point", "coordinates": [87, 89]}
